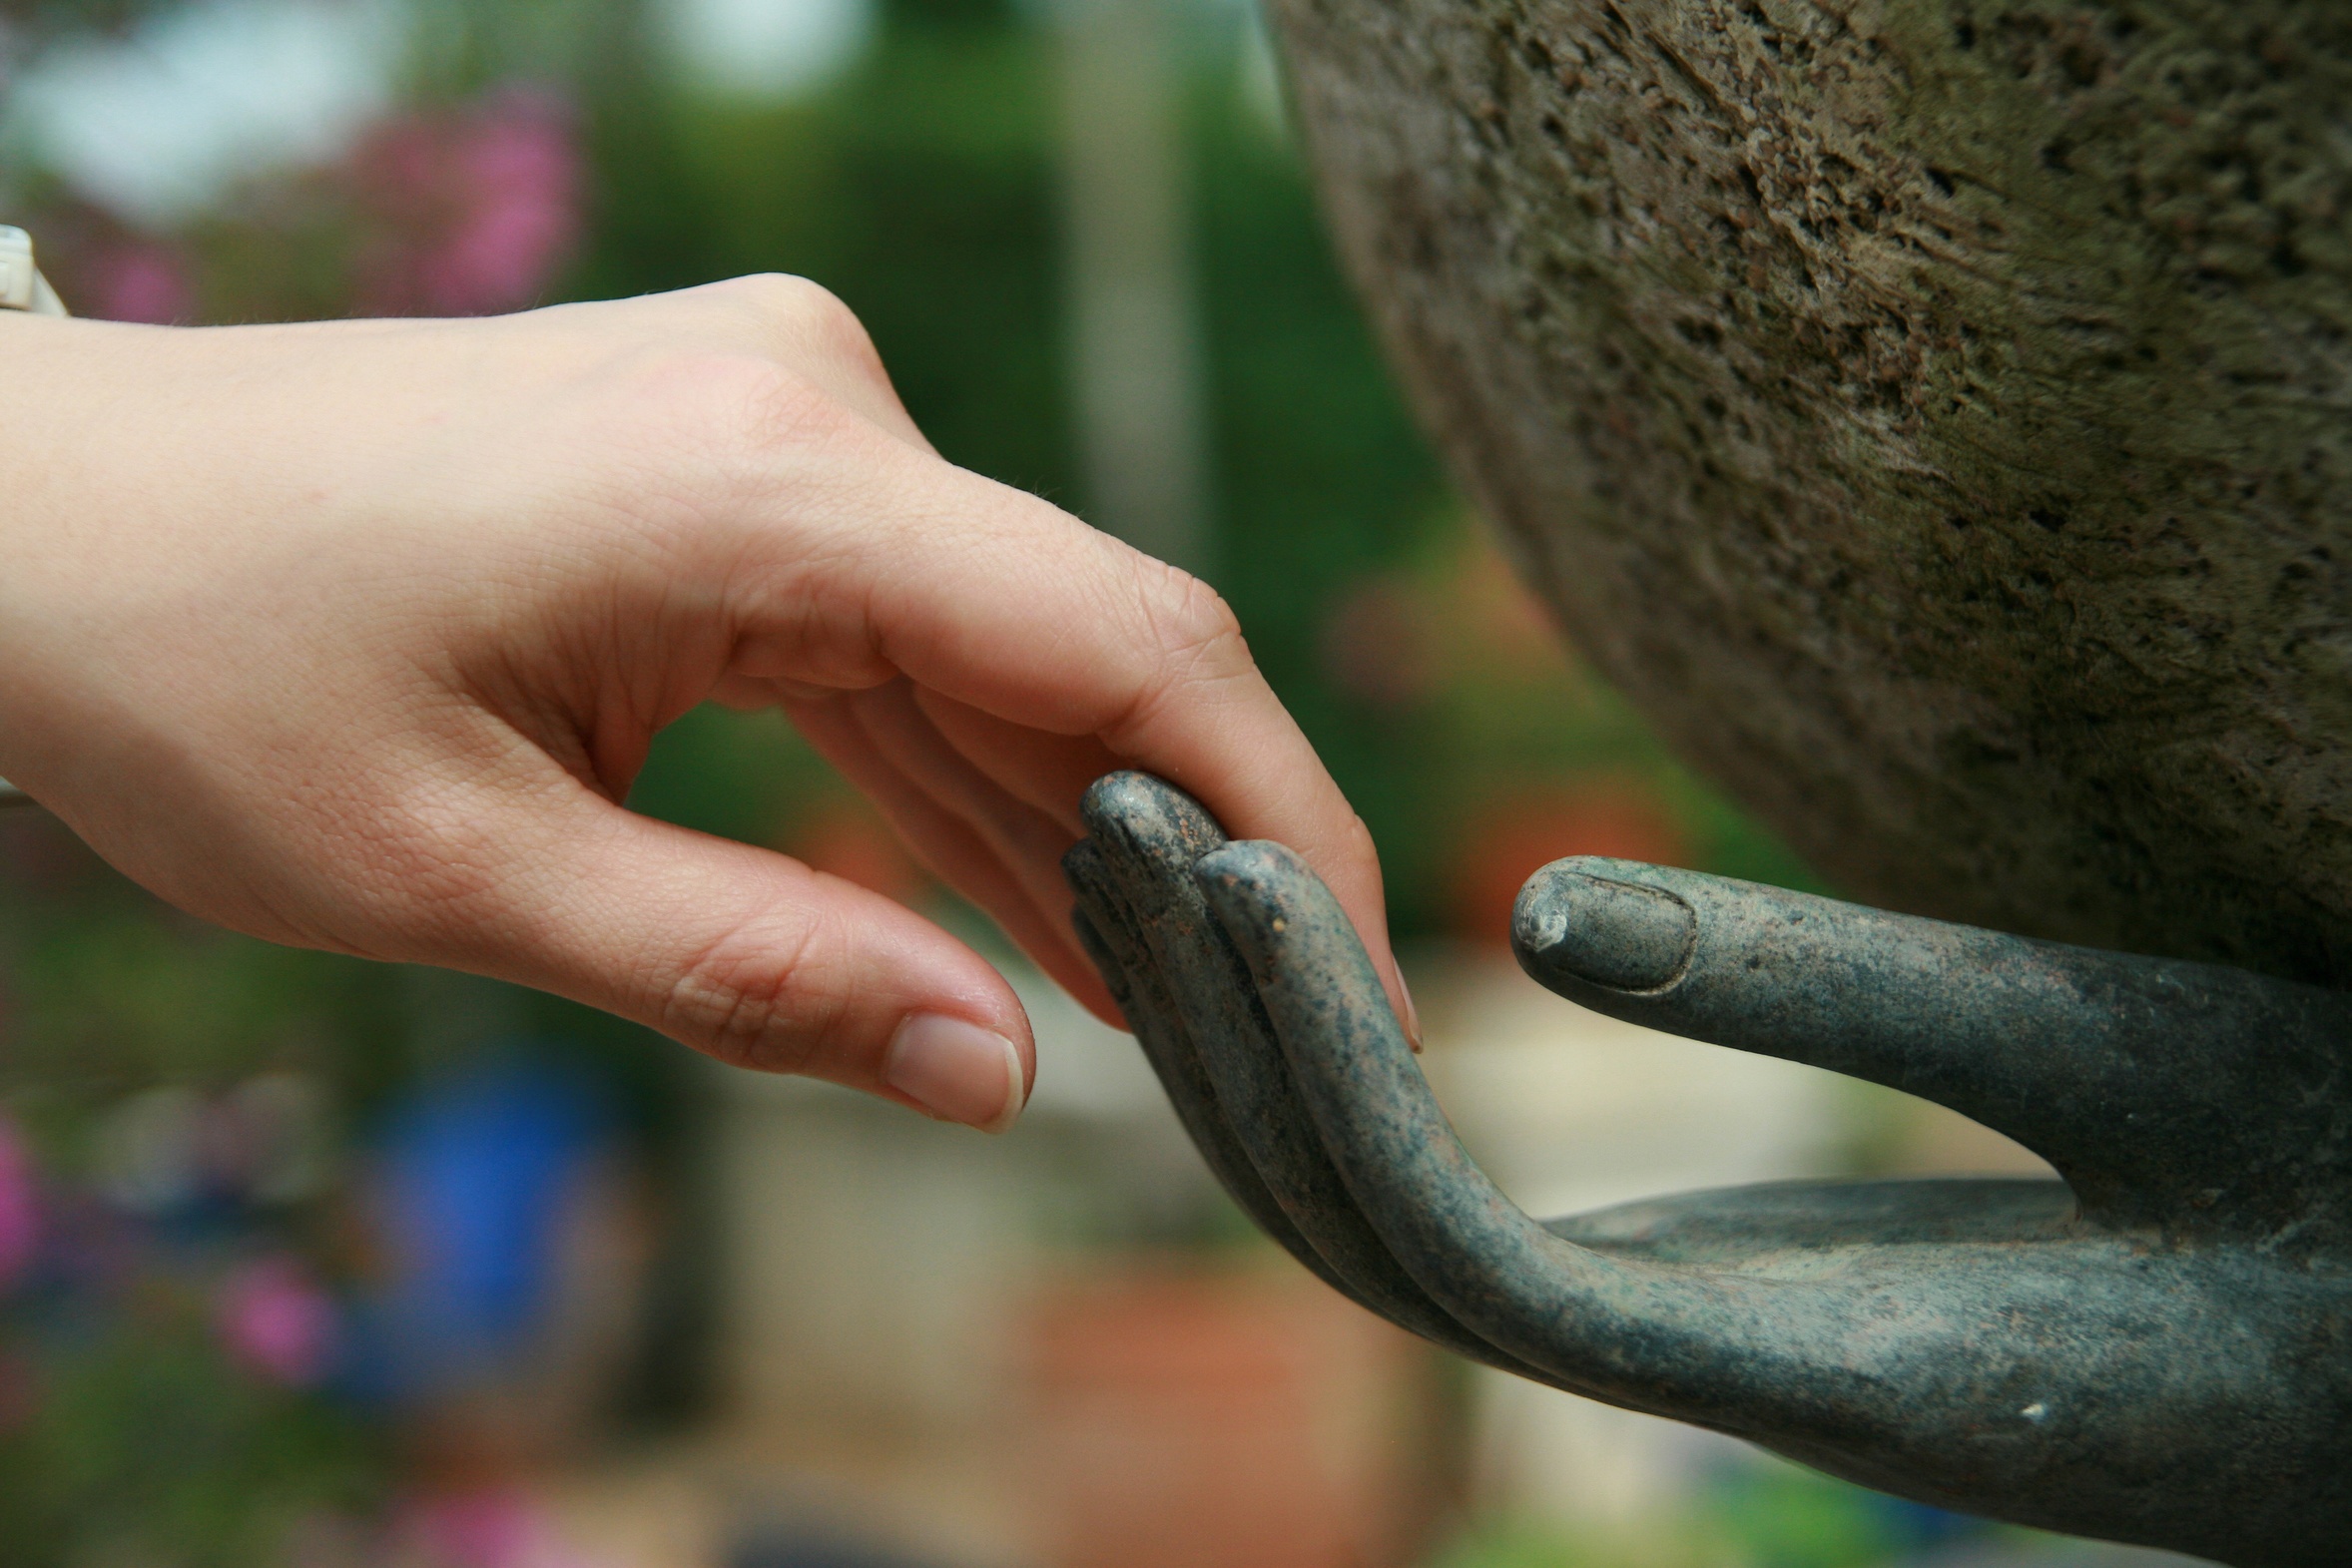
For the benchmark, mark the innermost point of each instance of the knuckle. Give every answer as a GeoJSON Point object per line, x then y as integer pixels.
{"type": "Point", "coordinates": [761, 997]}
{"type": "Point", "coordinates": [775, 297]}
{"type": "Point", "coordinates": [820, 310]}
{"type": "Point", "coordinates": [1193, 625]}
{"type": "Point", "coordinates": [837, 333]}
{"type": "Point", "coordinates": [810, 315]}
{"type": "Point", "coordinates": [1195, 645]}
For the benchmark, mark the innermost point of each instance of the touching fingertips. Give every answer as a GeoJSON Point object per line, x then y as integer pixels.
{"type": "Point", "coordinates": [958, 1071]}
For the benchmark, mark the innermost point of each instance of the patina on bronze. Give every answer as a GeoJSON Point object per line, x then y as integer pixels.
{"type": "Point", "coordinates": [2154, 1351]}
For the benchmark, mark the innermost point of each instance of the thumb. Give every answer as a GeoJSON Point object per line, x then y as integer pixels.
{"type": "Point", "coordinates": [743, 954]}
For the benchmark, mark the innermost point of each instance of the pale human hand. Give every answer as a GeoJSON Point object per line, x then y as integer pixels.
{"type": "Point", "coordinates": [352, 636]}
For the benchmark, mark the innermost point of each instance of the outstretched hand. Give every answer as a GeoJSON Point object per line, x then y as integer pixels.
{"type": "Point", "coordinates": [352, 636]}
{"type": "Point", "coordinates": [2149, 1350]}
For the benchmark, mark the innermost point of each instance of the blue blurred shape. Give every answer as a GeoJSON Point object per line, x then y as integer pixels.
{"type": "Point", "coordinates": [476, 1175]}
{"type": "Point", "coordinates": [1922, 1526]}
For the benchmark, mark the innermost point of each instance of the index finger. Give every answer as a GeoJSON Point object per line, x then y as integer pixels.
{"type": "Point", "coordinates": [1011, 606]}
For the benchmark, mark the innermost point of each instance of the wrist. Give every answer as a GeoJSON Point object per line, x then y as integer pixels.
{"type": "Point", "coordinates": [63, 452]}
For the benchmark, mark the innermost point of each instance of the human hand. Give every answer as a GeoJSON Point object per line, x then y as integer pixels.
{"type": "Point", "coordinates": [353, 634]}
{"type": "Point", "coordinates": [2150, 1350]}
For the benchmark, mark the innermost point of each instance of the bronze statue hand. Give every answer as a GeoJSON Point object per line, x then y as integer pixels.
{"type": "Point", "coordinates": [2157, 1350]}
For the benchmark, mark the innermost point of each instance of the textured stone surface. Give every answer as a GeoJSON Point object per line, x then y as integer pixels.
{"type": "Point", "coordinates": [1936, 415]}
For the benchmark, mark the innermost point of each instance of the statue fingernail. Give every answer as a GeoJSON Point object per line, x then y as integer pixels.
{"type": "Point", "coordinates": [1618, 934]}
{"type": "Point", "coordinates": [958, 1071]}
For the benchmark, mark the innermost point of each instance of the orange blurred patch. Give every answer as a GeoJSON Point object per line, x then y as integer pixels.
{"type": "Point", "coordinates": [1380, 646]}
{"type": "Point", "coordinates": [1502, 615]}
{"type": "Point", "coordinates": [846, 838]}
{"type": "Point", "coordinates": [1189, 1419]}
{"type": "Point", "coordinates": [1516, 835]}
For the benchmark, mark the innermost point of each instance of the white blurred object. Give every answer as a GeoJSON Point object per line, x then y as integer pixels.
{"type": "Point", "coordinates": [765, 49]}
{"type": "Point", "coordinates": [22, 288]}
{"type": "Point", "coordinates": [1258, 79]}
{"type": "Point", "coordinates": [284, 1129]}
{"type": "Point", "coordinates": [1568, 1110]}
{"type": "Point", "coordinates": [876, 1262]}
{"type": "Point", "coordinates": [1136, 364]}
{"type": "Point", "coordinates": [151, 1150]}
{"type": "Point", "coordinates": [872, 1261]}
{"type": "Point", "coordinates": [155, 126]}
{"type": "Point", "coordinates": [1085, 1068]}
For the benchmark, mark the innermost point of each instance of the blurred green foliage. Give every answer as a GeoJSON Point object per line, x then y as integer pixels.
{"type": "Point", "coordinates": [106, 992]}
{"type": "Point", "coordinates": [148, 1448]}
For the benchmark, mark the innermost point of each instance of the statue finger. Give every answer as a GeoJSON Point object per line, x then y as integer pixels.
{"type": "Point", "coordinates": [1150, 836]}
{"type": "Point", "coordinates": [1106, 934]}
{"type": "Point", "coordinates": [2157, 1087]}
{"type": "Point", "coordinates": [1107, 930]}
{"type": "Point", "coordinates": [1653, 1337]}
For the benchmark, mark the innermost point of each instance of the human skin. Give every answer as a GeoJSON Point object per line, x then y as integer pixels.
{"type": "Point", "coordinates": [352, 636]}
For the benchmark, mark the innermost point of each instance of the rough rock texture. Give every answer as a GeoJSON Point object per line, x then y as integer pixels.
{"type": "Point", "coordinates": [1936, 415]}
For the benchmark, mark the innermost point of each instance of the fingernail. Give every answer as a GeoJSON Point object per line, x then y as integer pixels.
{"type": "Point", "coordinates": [1411, 1018]}
{"type": "Point", "coordinates": [956, 1070]}
{"type": "Point", "coordinates": [1618, 934]}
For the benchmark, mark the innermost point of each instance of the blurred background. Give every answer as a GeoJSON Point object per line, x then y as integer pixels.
{"type": "Point", "coordinates": [316, 1264]}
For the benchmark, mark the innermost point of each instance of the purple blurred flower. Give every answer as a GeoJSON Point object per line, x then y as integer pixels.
{"type": "Point", "coordinates": [20, 1206]}
{"type": "Point", "coordinates": [136, 282]}
{"type": "Point", "coordinates": [495, 1527]}
{"type": "Point", "coordinates": [482, 204]}
{"type": "Point", "coordinates": [277, 1322]}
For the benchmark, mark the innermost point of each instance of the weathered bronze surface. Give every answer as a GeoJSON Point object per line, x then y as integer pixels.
{"type": "Point", "coordinates": [1935, 414]}
{"type": "Point", "coordinates": [2155, 1350]}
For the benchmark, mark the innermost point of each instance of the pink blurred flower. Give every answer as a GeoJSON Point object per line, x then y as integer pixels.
{"type": "Point", "coordinates": [136, 282]}
{"type": "Point", "coordinates": [1380, 646]}
{"type": "Point", "coordinates": [497, 1527]}
{"type": "Point", "coordinates": [20, 1206]}
{"type": "Point", "coordinates": [482, 204]}
{"type": "Point", "coordinates": [277, 1322]}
